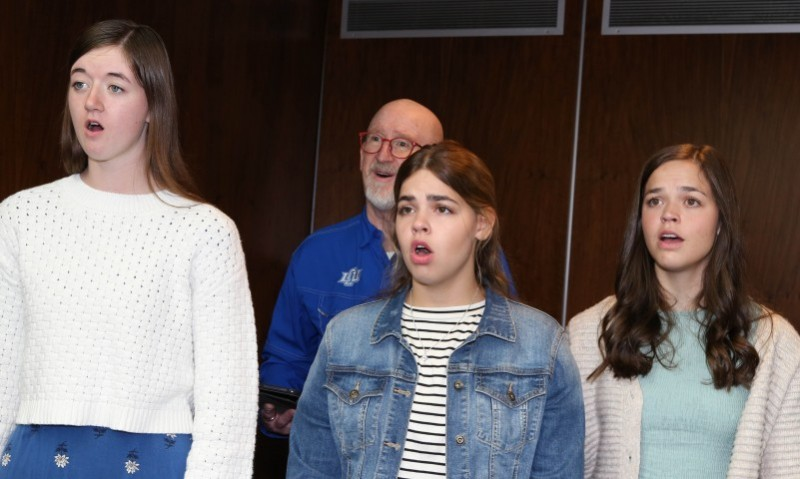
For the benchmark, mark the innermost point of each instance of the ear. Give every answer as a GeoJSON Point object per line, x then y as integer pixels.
{"type": "Point", "coordinates": [361, 161]}
{"type": "Point", "coordinates": [485, 224]}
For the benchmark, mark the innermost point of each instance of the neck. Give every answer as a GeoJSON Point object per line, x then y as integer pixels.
{"type": "Point", "coordinates": [383, 220]}
{"type": "Point", "coordinates": [423, 296]}
{"type": "Point", "coordinates": [129, 179]}
{"type": "Point", "coordinates": [682, 289]}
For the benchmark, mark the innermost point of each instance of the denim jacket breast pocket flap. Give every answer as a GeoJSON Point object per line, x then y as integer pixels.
{"type": "Point", "coordinates": [352, 387]}
{"type": "Point", "coordinates": [508, 407]}
{"type": "Point", "coordinates": [511, 389]}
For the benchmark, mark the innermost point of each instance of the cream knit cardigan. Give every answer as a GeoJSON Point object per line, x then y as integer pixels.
{"type": "Point", "coordinates": [767, 443]}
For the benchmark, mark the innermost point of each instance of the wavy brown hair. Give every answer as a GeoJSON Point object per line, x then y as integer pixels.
{"type": "Point", "coordinates": [467, 175]}
{"type": "Point", "coordinates": [148, 58]}
{"type": "Point", "coordinates": [635, 330]}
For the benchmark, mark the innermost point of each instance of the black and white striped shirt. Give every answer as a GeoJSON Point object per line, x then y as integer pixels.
{"type": "Point", "coordinates": [433, 334]}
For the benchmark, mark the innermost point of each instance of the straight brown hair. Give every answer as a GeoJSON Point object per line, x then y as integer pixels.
{"type": "Point", "coordinates": [149, 61]}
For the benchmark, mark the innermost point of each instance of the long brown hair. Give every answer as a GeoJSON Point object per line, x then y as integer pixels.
{"type": "Point", "coordinates": [467, 175]}
{"type": "Point", "coordinates": [635, 330]}
{"type": "Point", "coordinates": [148, 59]}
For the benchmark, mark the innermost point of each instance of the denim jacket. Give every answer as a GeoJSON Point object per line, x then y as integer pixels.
{"type": "Point", "coordinates": [514, 404]}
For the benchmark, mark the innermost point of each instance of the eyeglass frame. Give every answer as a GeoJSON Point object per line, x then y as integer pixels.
{"type": "Point", "coordinates": [362, 134]}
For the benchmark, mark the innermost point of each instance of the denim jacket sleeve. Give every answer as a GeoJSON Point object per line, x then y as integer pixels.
{"type": "Point", "coordinates": [559, 451]}
{"type": "Point", "coordinates": [311, 426]}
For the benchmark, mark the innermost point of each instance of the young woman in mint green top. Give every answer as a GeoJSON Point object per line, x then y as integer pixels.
{"type": "Point", "coordinates": [684, 375]}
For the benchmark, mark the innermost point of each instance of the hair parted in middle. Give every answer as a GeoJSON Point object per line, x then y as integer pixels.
{"type": "Point", "coordinates": [637, 327]}
{"type": "Point", "coordinates": [467, 175]}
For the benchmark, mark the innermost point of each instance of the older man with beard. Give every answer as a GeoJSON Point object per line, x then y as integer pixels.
{"type": "Point", "coordinates": [342, 265]}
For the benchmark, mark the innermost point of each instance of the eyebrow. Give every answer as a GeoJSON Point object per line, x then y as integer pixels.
{"type": "Point", "coordinates": [685, 189]}
{"type": "Point", "coordinates": [110, 74]}
{"type": "Point", "coordinates": [428, 197]}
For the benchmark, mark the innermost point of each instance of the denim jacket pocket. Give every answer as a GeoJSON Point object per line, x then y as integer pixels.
{"type": "Point", "coordinates": [358, 401]}
{"type": "Point", "coordinates": [508, 408]}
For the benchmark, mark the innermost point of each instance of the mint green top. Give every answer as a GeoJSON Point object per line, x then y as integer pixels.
{"type": "Point", "coordinates": [688, 426]}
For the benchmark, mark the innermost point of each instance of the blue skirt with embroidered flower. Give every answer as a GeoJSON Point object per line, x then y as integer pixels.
{"type": "Point", "coordinates": [85, 452]}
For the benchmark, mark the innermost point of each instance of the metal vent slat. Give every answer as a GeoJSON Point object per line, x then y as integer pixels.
{"type": "Point", "coordinates": [436, 18]}
{"type": "Point", "coordinates": [700, 16]}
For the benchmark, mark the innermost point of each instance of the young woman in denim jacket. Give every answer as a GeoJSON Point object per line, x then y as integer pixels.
{"type": "Point", "coordinates": [446, 377]}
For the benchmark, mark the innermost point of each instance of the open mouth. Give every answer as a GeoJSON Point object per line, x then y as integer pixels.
{"type": "Point", "coordinates": [94, 126]}
{"type": "Point", "coordinates": [383, 173]}
{"type": "Point", "coordinates": [421, 250]}
{"type": "Point", "coordinates": [670, 237]}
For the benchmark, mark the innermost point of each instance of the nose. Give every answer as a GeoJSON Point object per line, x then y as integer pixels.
{"type": "Point", "coordinates": [384, 155]}
{"type": "Point", "coordinates": [93, 100]}
{"type": "Point", "coordinates": [669, 214]}
{"type": "Point", "coordinates": [420, 224]}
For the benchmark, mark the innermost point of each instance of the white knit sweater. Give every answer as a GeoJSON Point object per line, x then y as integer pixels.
{"type": "Point", "coordinates": [766, 443]}
{"type": "Point", "coordinates": [131, 312]}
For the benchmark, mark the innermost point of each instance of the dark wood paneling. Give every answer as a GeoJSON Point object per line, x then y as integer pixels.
{"type": "Point", "coordinates": [248, 80]}
{"type": "Point", "coordinates": [511, 100]}
{"type": "Point", "coordinates": [735, 92]}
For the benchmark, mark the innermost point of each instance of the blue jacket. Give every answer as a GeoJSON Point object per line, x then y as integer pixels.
{"type": "Point", "coordinates": [514, 405]}
{"type": "Point", "coordinates": [335, 268]}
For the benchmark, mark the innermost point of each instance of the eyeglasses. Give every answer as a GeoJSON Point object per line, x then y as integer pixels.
{"type": "Point", "coordinates": [400, 148]}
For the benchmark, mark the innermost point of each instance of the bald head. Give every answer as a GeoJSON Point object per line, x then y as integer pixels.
{"type": "Point", "coordinates": [407, 119]}
{"type": "Point", "coordinates": [399, 119]}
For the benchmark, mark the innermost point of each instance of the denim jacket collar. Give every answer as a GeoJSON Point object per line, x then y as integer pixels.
{"type": "Point", "coordinates": [496, 319]}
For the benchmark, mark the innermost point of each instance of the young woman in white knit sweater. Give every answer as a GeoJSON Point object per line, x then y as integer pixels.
{"type": "Point", "coordinates": [128, 341]}
{"type": "Point", "coordinates": [685, 376]}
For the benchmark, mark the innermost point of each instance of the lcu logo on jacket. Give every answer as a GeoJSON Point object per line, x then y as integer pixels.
{"type": "Point", "coordinates": [350, 277]}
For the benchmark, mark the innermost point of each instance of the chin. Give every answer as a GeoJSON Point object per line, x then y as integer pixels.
{"type": "Point", "coordinates": [379, 201]}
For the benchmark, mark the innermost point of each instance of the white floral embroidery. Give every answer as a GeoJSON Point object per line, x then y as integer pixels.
{"type": "Point", "coordinates": [172, 436]}
{"type": "Point", "coordinates": [6, 459]}
{"type": "Point", "coordinates": [61, 460]}
{"type": "Point", "coordinates": [131, 467]}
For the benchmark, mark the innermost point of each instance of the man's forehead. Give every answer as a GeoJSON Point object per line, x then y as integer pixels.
{"type": "Point", "coordinates": [401, 124]}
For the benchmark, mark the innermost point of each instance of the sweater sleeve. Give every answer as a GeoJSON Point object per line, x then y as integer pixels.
{"type": "Point", "coordinates": [10, 325]}
{"type": "Point", "coordinates": [583, 332]}
{"type": "Point", "coordinates": [782, 449]}
{"type": "Point", "coordinates": [225, 357]}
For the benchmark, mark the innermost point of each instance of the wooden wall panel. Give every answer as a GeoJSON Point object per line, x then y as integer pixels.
{"type": "Point", "coordinates": [511, 100]}
{"type": "Point", "coordinates": [735, 92]}
{"type": "Point", "coordinates": [248, 78]}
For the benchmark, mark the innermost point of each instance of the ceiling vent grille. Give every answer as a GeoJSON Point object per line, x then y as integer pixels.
{"type": "Point", "coordinates": [451, 18]}
{"type": "Point", "coordinates": [646, 17]}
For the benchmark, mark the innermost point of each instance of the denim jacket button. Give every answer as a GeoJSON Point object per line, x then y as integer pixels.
{"type": "Point", "coordinates": [354, 394]}
{"type": "Point", "coordinates": [512, 397]}
{"type": "Point", "coordinates": [459, 385]}
{"type": "Point", "coordinates": [460, 439]}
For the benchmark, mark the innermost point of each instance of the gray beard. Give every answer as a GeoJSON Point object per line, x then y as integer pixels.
{"type": "Point", "coordinates": [379, 201]}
